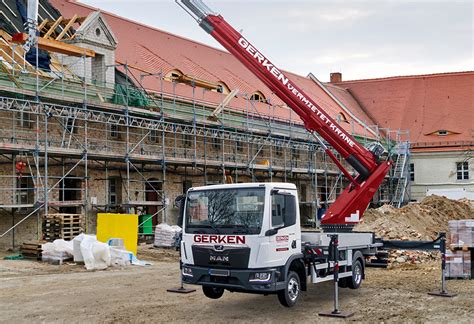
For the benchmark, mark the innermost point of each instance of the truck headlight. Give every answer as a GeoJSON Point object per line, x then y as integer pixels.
{"type": "Point", "coordinates": [260, 277]}
{"type": "Point", "coordinates": [187, 272]}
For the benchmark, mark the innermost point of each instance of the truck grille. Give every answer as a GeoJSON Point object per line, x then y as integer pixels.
{"type": "Point", "coordinates": [222, 257]}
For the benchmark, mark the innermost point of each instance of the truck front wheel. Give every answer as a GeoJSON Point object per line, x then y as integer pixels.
{"type": "Point", "coordinates": [212, 292]}
{"type": "Point", "coordinates": [289, 296]}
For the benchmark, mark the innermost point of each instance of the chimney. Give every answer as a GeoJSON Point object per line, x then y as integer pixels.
{"type": "Point", "coordinates": [336, 77]}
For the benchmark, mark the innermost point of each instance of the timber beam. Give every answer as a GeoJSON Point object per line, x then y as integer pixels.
{"type": "Point", "coordinates": [55, 46]}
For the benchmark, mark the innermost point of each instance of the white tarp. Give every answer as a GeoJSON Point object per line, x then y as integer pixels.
{"type": "Point", "coordinates": [95, 255]}
{"type": "Point", "coordinates": [58, 250]}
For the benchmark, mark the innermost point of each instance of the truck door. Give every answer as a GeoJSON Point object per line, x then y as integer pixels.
{"type": "Point", "coordinates": [283, 219]}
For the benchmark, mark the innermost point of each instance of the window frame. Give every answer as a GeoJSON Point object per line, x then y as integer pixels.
{"type": "Point", "coordinates": [239, 146]}
{"type": "Point", "coordinates": [153, 136]}
{"type": "Point", "coordinates": [287, 197]}
{"type": "Point", "coordinates": [23, 119]}
{"type": "Point", "coordinates": [187, 140]}
{"type": "Point", "coordinates": [114, 131]}
{"type": "Point", "coordinates": [411, 172]}
{"type": "Point", "coordinates": [216, 143]}
{"type": "Point", "coordinates": [462, 170]}
{"type": "Point", "coordinates": [258, 96]}
{"type": "Point", "coordinates": [279, 150]}
{"type": "Point", "coordinates": [113, 182]}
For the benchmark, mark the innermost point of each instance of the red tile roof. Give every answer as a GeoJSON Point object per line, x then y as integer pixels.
{"type": "Point", "coordinates": [154, 50]}
{"type": "Point", "coordinates": [424, 104]}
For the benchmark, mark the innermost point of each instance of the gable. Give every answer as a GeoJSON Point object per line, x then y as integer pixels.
{"type": "Point", "coordinates": [95, 30]}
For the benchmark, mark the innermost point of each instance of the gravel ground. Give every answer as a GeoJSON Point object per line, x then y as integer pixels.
{"type": "Point", "coordinates": [31, 291]}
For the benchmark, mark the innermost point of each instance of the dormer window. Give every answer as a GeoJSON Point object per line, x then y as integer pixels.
{"type": "Point", "coordinates": [173, 75]}
{"type": "Point", "coordinates": [258, 96]}
{"type": "Point", "coordinates": [341, 118]}
{"type": "Point", "coordinates": [222, 88]}
{"type": "Point", "coordinates": [443, 132]}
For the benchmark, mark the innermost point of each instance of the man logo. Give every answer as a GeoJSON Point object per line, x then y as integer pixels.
{"type": "Point", "coordinates": [219, 258]}
{"type": "Point", "coordinates": [219, 247]}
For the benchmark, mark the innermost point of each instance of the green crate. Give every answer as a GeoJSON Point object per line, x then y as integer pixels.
{"type": "Point", "coordinates": [146, 226]}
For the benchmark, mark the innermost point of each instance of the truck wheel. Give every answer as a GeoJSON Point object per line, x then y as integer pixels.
{"type": "Point", "coordinates": [357, 274]}
{"type": "Point", "coordinates": [212, 292]}
{"type": "Point", "coordinates": [289, 296]}
{"type": "Point", "coordinates": [343, 282]}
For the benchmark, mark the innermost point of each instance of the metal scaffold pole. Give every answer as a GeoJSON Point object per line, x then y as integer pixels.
{"type": "Point", "coordinates": [85, 157]}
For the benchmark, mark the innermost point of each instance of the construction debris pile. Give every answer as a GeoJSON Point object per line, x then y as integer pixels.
{"type": "Point", "coordinates": [416, 221]}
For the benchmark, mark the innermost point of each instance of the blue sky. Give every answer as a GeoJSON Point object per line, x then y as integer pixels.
{"type": "Point", "coordinates": [361, 39]}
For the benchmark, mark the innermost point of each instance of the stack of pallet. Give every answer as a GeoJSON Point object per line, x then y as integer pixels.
{"type": "Point", "coordinates": [460, 260]}
{"type": "Point", "coordinates": [62, 226]}
{"type": "Point", "coordinates": [31, 250]}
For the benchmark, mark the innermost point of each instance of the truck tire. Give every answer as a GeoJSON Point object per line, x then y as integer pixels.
{"type": "Point", "coordinates": [213, 292]}
{"type": "Point", "coordinates": [343, 282]}
{"type": "Point", "coordinates": [355, 280]}
{"type": "Point", "coordinates": [289, 296]}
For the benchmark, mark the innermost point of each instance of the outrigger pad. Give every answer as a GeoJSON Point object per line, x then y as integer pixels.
{"type": "Point", "coordinates": [338, 314]}
{"type": "Point", "coordinates": [181, 290]}
{"type": "Point", "coordinates": [442, 294]}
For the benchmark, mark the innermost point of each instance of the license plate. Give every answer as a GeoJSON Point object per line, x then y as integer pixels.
{"type": "Point", "coordinates": [219, 272]}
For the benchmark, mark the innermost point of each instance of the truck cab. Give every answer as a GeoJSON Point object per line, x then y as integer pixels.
{"type": "Point", "coordinates": [241, 237]}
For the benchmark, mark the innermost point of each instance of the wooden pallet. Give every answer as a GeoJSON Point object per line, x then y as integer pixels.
{"type": "Point", "coordinates": [62, 226]}
{"type": "Point", "coordinates": [32, 250]}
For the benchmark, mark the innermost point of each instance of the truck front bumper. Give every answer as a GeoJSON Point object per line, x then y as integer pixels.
{"type": "Point", "coordinates": [232, 280]}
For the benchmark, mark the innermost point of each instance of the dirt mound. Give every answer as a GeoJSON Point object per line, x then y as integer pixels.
{"type": "Point", "coordinates": [417, 220]}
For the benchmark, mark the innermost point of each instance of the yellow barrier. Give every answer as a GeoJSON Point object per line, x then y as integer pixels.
{"type": "Point", "coordinates": [124, 226]}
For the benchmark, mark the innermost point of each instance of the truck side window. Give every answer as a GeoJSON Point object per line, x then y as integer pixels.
{"type": "Point", "coordinates": [283, 210]}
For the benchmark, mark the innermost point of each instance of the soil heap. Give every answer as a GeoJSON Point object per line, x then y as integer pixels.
{"type": "Point", "coordinates": [415, 221]}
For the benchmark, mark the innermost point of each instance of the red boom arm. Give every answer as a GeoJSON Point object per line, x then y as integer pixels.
{"type": "Point", "coordinates": [351, 204]}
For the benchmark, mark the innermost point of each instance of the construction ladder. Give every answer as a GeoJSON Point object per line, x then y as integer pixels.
{"type": "Point", "coordinates": [400, 174]}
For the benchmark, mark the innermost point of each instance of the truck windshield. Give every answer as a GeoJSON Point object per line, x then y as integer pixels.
{"type": "Point", "coordinates": [225, 211]}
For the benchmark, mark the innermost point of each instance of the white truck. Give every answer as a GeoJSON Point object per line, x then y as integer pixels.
{"type": "Point", "coordinates": [247, 238]}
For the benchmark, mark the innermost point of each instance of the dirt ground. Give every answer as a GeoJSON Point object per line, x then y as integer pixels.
{"type": "Point", "coordinates": [32, 291]}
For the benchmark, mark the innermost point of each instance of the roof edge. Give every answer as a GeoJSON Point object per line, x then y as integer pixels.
{"type": "Point", "coordinates": [415, 76]}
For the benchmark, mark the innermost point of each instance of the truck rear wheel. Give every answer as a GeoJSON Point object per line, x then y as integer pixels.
{"type": "Point", "coordinates": [212, 292]}
{"type": "Point", "coordinates": [289, 296]}
{"type": "Point", "coordinates": [355, 280]}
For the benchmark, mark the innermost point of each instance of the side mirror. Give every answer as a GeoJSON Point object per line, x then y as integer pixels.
{"type": "Point", "coordinates": [271, 232]}
{"type": "Point", "coordinates": [180, 201]}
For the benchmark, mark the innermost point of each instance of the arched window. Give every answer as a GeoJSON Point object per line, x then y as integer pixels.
{"type": "Point", "coordinates": [258, 96]}
{"type": "Point", "coordinates": [222, 88]}
{"type": "Point", "coordinates": [341, 118]}
{"type": "Point", "coordinates": [173, 75]}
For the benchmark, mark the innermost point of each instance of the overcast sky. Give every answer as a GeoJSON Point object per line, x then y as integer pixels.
{"type": "Point", "coordinates": [361, 39]}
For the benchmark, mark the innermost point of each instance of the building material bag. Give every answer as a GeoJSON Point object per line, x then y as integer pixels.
{"type": "Point", "coordinates": [76, 245]}
{"type": "Point", "coordinates": [167, 235]}
{"type": "Point", "coordinates": [57, 251]}
{"type": "Point", "coordinates": [96, 254]}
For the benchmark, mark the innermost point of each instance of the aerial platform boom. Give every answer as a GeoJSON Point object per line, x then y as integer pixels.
{"type": "Point", "coordinates": [350, 204]}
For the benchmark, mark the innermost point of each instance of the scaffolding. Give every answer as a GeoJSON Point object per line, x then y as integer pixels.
{"type": "Point", "coordinates": [86, 148]}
